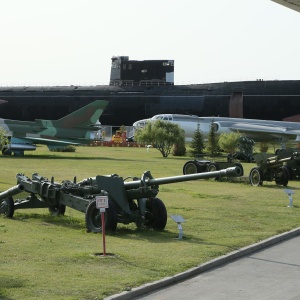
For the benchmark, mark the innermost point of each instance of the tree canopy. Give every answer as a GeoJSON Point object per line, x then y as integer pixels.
{"type": "Point", "coordinates": [197, 144]}
{"type": "Point", "coordinates": [3, 138]}
{"type": "Point", "coordinates": [229, 141]}
{"type": "Point", "coordinates": [161, 134]}
{"type": "Point", "coordinates": [212, 143]}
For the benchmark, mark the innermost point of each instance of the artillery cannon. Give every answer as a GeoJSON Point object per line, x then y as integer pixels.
{"type": "Point", "coordinates": [293, 164]}
{"type": "Point", "coordinates": [129, 201]}
{"type": "Point", "coordinates": [200, 166]}
{"type": "Point", "coordinates": [271, 168]}
{"type": "Point", "coordinates": [245, 150]}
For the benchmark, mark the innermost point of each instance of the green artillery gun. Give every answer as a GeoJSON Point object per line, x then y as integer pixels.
{"type": "Point", "coordinates": [293, 164]}
{"type": "Point", "coordinates": [200, 166]}
{"type": "Point", "coordinates": [245, 150]}
{"type": "Point", "coordinates": [129, 201]}
{"type": "Point", "coordinates": [270, 167]}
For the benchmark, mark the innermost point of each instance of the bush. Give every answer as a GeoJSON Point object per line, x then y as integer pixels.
{"type": "Point", "coordinates": [229, 141]}
{"type": "Point", "coordinates": [69, 148]}
{"type": "Point", "coordinates": [179, 149]}
{"type": "Point", "coordinates": [263, 147]}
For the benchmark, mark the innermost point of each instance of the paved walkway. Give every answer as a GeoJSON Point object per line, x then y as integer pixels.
{"type": "Point", "coordinates": [267, 270]}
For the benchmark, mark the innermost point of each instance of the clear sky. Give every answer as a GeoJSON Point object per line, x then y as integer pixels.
{"type": "Point", "coordinates": [65, 42]}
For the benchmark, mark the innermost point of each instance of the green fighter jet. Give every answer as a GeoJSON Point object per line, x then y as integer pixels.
{"type": "Point", "coordinates": [77, 128]}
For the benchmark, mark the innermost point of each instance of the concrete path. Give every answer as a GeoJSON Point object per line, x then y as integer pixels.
{"type": "Point", "coordinates": [266, 270]}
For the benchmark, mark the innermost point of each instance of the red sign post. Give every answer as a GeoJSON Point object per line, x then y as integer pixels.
{"type": "Point", "coordinates": [102, 204]}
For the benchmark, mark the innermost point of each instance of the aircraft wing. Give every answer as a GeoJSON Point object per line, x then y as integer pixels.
{"type": "Point", "coordinates": [261, 130]}
{"type": "Point", "coordinates": [50, 142]}
{"type": "Point", "coordinates": [256, 128]}
{"type": "Point", "coordinates": [292, 4]}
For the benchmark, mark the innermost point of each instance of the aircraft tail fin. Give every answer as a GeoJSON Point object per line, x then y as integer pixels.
{"type": "Point", "coordinates": [84, 117]}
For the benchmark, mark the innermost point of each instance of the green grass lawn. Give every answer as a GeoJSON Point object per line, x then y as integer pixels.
{"type": "Point", "coordinates": [45, 256]}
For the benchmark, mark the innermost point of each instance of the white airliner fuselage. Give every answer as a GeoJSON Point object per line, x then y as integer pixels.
{"type": "Point", "coordinates": [258, 130]}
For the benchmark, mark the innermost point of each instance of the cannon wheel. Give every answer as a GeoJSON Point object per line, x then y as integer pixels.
{"type": "Point", "coordinates": [255, 177]}
{"type": "Point", "coordinates": [7, 207]}
{"type": "Point", "coordinates": [282, 177]}
{"type": "Point", "coordinates": [57, 210]}
{"type": "Point", "coordinates": [190, 167]}
{"type": "Point", "coordinates": [290, 172]}
{"type": "Point", "coordinates": [212, 167]}
{"type": "Point", "coordinates": [156, 214]}
{"type": "Point", "coordinates": [93, 218]}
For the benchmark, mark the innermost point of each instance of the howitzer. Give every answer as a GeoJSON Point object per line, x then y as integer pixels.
{"type": "Point", "coordinates": [271, 168]}
{"type": "Point", "coordinates": [129, 201]}
{"type": "Point", "coordinates": [200, 166]}
{"type": "Point", "coordinates": [293, 163]}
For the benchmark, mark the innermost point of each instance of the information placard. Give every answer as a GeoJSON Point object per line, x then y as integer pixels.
{"type": "Point", "coordinates": [101, 202]}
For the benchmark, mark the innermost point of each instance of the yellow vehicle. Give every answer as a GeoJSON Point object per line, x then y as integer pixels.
{"type": "Point", "coordinates": [118, 137]}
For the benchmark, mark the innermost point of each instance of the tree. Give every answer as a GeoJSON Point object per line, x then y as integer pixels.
{"type": "Point", "coordinates": [197, 144]}
{"type": "Point", "coordinates": [179, 148]}
{"type": "Point", "coordinates": [229, 141]}
{"type": "Point", "coordinates": [212, 143]}
{"type": "Point", "coordinates": [3, 139]}
{"type": "Point", "coordinates": [263, 147]}
{"type": "Point", "coordinates": [161, 134]}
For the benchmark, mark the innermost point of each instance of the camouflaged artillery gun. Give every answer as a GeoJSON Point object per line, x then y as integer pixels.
{"type": "Point", "coordinates": [270, 167]}
{"type": "Point", "coordinates": [129, 201]}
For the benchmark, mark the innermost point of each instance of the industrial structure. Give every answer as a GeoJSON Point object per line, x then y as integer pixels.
{"type": "Point", "coordinates": [141, 89]}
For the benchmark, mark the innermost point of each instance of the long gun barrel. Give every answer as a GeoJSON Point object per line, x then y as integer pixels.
{"type": "Point", "coordinates": [130, 201]}
{"type": "Point", "coordinates": [149, 181]}
{"type": "Point", "coordinates": [11, 192]}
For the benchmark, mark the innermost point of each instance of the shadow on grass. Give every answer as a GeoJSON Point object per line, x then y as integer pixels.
{"type": "Point", "coordinates": [273, 186]}
{"type": "Point", "coordinates": [65, 221]}
{"type": "Point", "coordinates": [164, 236]}
{"type": "Point", "coordinates": [58, 157]}
{"type": "Point", "coordinates": [125, 232]}
{"type": "Point", "coordinates": [7, 283]}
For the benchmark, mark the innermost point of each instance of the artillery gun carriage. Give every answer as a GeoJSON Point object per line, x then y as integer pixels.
{"type": "Point", "coordinates": [272, 168]}
{"type": "Point", "coordinates": [201, 166]}
{"type": "Point", "coordinates": [293, 164]}
{"type": "Point", "coordinates": [129, 201]}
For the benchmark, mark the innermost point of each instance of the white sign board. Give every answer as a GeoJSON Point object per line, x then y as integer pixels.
{"type": "Point", "coordinates": [101, 202]}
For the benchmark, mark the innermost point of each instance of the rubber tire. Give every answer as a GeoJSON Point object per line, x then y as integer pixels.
{"type": "Point", "coordinates": [9, 207]}
{"type": "Point", "coordinates": [287, 175]}
{"type": "Point", "coordinates": [190, 167]}
{"type": "Point", "coordinates": [93, 219]}
{"type": "Point", "coordinates": [212, 167]}
{"type": "Point", "coordinates": [156, 214]}
{"type": "Point", "coordinates": [255, 177]}
{"type": "Point", "coordinates": [290, 172]}
{"type": "Point", "coordinates": [284, 179]}
{"type": "Point", "coordinates": [57, 210]}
